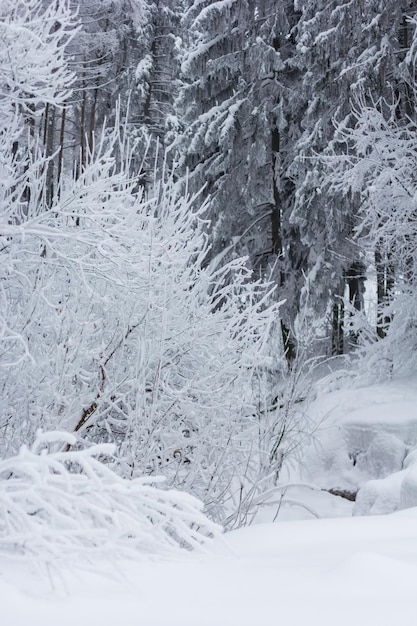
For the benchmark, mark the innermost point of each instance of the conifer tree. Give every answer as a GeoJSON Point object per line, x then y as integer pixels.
{"type": "Point", "coordinates": [343, 49]}
{"type": "Point", "coordinates": [238, 81]}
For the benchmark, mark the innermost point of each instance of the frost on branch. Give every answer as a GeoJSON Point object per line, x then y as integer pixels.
{"type": "Point", "coordinates": [33, 69]}
{"type": "Point", "coordinates": [113, 322]}
{"type": "Point", "coordinates": [373, 159]}
{"type": "Point", "coordinates": [66, 502]}
{"type": "Point", "coordinates": [116, 327]}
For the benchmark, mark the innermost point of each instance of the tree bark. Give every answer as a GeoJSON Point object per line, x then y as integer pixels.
{"type": "Point", "coordinates": [276, 235]}
{"type": "Point", "coordinates": [385, 286]}
{"type": "Point", "coordinates": [338, 316]}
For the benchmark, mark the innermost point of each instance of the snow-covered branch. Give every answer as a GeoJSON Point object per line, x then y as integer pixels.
{"type": "Point", "coordinates": [68, 504]}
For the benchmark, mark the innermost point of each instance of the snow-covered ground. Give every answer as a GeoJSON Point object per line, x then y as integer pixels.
{"type": "Point", "coordinates": [340, 570]}
{"type": "Point", "coordinates": [360, 571]}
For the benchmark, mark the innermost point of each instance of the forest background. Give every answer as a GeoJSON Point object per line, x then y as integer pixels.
{"type": "Point", "coordinates": [201, 202]}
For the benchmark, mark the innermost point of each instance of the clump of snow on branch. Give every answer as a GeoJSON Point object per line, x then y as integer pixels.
{"type": "Point", "coordinates": [61, 501]}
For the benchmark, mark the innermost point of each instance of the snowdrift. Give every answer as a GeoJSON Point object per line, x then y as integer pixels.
{"type": "Point", "coordinates": [366, 444]}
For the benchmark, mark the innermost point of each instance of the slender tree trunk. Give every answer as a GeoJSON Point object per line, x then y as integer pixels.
{"type": "Point", "coordinates": [92, 124]}
{"type": "Point", "coordinates": [276, 207]}
{"type": "Point", "coordinates": [147, 114]}
{"type": "Point", "coordinates": [385, 287]}
{"type": "Point", "coordinates": [276, 234]}
{"type": "Point", "coordinates": [50, 132]}
{"type": "Point", "coordinates": [355, 277]}
{"type": "Point", "coordinates": [45, 124]}
{"type": "Point", "coordinates": [30, 120]}
{"type": "Point", "coordinates": [338, 320]}
{"type": "Point", "coordinates": [404, 38]}
{"type": "Point", "coordinates": [82, 124]}
{"type": "Point", "coordinates": [61, 145]}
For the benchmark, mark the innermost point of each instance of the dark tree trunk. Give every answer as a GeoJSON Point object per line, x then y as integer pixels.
{"type": "Point", "coordinates": [83, 125]}
{"type": "Point", "coordinates": [355, 277]}
{"type": "Point", "coordinates": [61, 145]}
{"type": "Point", "coordinates": [276, 207]}
{"type": "Point", "coordinates": [276, 236]}
{"type": "Point", "coordinates": [49, 132]}
{"type": "Point", "coordinates": [338, 317]}
{"type": "Point", "coordinates": [406, 102]}
{"type": "Point", "coordinates": [92, 125]}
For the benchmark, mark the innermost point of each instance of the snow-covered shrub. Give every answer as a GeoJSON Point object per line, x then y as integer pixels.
{"type": "Point", "coordinates": [66, 503]}
{"type": "Point", "coordinates": [119, 330]}
{"type": "Point", "coordinates": [115, 325]}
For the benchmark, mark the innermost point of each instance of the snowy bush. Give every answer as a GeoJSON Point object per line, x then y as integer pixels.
{"type": "Point", "coordinates": [64, 502]}
{"type": "Point", "coordinates": [119, 330]}
{"type": "Point", "coordinates": [114, 325]}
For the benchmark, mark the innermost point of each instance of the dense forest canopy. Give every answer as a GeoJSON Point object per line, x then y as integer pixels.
{"type": "Point", "coordinates": [198, 198]}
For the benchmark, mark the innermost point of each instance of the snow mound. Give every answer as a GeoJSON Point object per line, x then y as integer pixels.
{"type": "Point", "coordinates": [379, 497]}
{"type": "Point", "coordinates": [395, 492]}
{"type": "Point", "coordinates": [384, 455]}
{"type": "Point", "coordinates": [408, 489]}
{"type": "Point", "coordinates": [365, 442]}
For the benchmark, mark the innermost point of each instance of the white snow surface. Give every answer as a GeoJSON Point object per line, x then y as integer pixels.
{"type": "Point", "coordinates": [342, 569]}
{"type": "Point", "coordinates": [360, 571]}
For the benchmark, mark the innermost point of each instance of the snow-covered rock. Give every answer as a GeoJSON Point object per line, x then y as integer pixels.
{"type": "Point", "coordinates": [366, 442]}
{"type": "Point", "coordinates": [408, 491]}
{"type": "Point", "coordinates": [384, 455]}
{"type": "Point", "coordinates": [379, 497]}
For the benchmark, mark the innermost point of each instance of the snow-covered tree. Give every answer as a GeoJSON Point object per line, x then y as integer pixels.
{"type": "Point", "coordinates": [32, 57]}
{"type": "Point", "coordinates": [153, 120]}
{"type": "Point", "coordinates": [103, 56]}
{"type": "Point", "coordinates": [235, 104]}
{"type": "Point", "coordinates": [115, 326]}
{"type": "Point", "coordinates": [119, 331]}
{"type": "Point", "coordinates": [373, 158]}
{"type": "Point", "coordinates": [34, 76]}
{"type": "Point", "coordinates": [343, 49]}
{"type": "Point", "coordinates": [123, 56]}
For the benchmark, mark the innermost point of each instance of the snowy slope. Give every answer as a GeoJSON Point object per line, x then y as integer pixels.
{"type": "Point", "coordinates": [360, 571]}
